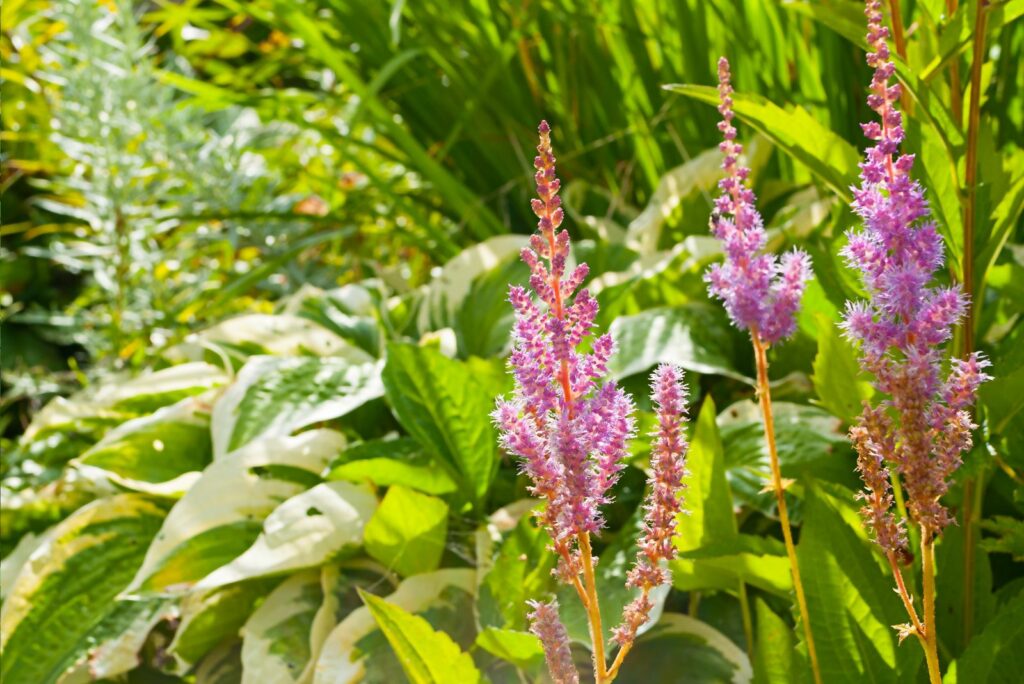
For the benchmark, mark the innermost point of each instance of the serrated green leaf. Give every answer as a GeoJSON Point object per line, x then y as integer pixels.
{"type": "Point", "coordinates": [849, 598]}
{"type": "Point", "coordinates": [773, 657]}
{"type": "Point", "coordinates": [407, 533]}
{"type": "Point", "coordinates": [837, 375]}
{"type": "Point", "coordinates": [62, 604]}
{"type": "Point", "coordinates": [995, 656]}
{"type": "Point", "coordinates": [392, 462]}
{"type": "Point", "coordinates": [795, 131]}
{"type": "Point", "coordinates": [427, 656]}
{"type": "Point", "coordinates": [445, 409]}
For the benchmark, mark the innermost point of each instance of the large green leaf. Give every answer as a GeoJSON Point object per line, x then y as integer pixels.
{"type": "Point", "coordinates": [160, 454]}
{"type": "Point", "coordinates": [426, 655]}
{"type": "Point", "coordinates": [795, 131]}
{"type": "Point", "coordinates": [522, 649]}
{"type": "Point", "coordinates": [441, 403]}
{"type": "Point", "coordinates": [996, 655]}
{"type": "Point", "coordinates": [304, 531]}
{"type": "Point", "coordinates": [694, 336]}
{"type": "Point", "coordinates": [407, 533]}
{"type": "Point", "coordinates": [62, 606]}
{"type": "Point", "coordinates": [836, 373]}
{"type": "Point", "coordinates": [275, 396]}
{"type": "Point", "coordinates": [221, 515]}
{"type": "Point", "coordinates": [849, 597]}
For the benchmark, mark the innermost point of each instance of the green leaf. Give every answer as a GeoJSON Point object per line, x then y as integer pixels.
{"type": "Point", "coordinates": [304, 531]}
{"type": "Point", "coordinates": [440, 403]}
{"type": "Point", "coordinates": [388, 462]}
{"type": "Point", "coordinates": [274, 396]}
{"type": "Point", "coordinates": [837, 375]}
{"type": "Point", "coordinates": [522, 649]}
{"type": "Point", "coordinates": [520, 571]}
{"type": "Point", "coordinates": [682, 644]}
{"type": "Point", "coordinates": [758, 561]}
{"type": "Point", "coordinates": [849, 597]}
{"type": "Point", "coordinates": [159, 454]}
{"type": "Point", "coordinates": [407, 533]}
{"type": "Point", "coordinates": [995, 656]}
{"type": "Point", "coordinates": [773, 657]}
{"type": "Point", "coordinates": [694, 336]}
{"type": "Point", "coordinates": [797, 132]}
{"type": "Point", "coordinates": [810, 441]}
{"type": "Point", "coordinates": [62, 606]}
{"type": "Point", "coordinates": [708, 504]}
{"type": "Point", "coordinates": [949, 589]}
{"type": "Point", "coordinates": [221, 515]}
{"type": "Point", "coordinates": [344, 658]}
{"type": "Point", "coordinates": [427, 656]}
{"type": "Point", "coordinates": [1008, 536]}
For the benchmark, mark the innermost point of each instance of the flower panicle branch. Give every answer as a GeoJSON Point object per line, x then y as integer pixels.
{"type": "Point", "coordinates": [760, 291]}
{"type": "Point", "coordinates": [915, 436]}
{"type": "Point", "coordinates": [569, 427]}
{"type": "Point", "coordinates": [546, 626]}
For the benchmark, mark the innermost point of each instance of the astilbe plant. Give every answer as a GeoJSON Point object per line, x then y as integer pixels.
{"type": "Point", "coordinates": [914, 438]}
{"type": "Point", "coordinates": [571, 432]}
{"type": "Point", "coordinates": [761, 293]}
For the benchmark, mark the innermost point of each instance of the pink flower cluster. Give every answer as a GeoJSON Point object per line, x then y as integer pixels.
{"type": "Point", "coordinates": [925, 425]}
{"type": "Point", "coordinates": [761, 293]}
{"type": "Point", "coordinates": [570, 430]}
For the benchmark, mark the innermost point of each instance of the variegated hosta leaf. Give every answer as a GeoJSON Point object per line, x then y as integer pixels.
{"type": "Point", "coordinates": [304, 531]}
{"type": "Point", "coordinates": [341, 662]}
{"type": "Point", "coordinates": [282, 639]}
{"type": "Point", "coordinates": [280, 334]}
{"type": "Point", "coordinates": [279, 641]}
{"type": "Point", "coordinates": [62, 606]}
{"type": "Point", "coordinates": [275, 396]}
{"type": "Point", "coordinates": [222, 514]}
{"type": "Point", "coordinates": [161, 454]}
{"type": "Point", "coordinates": [445, 293]}
{"type": "Point", "coordinates": [213, 617]}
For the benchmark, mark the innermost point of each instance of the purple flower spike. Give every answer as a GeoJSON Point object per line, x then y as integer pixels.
{"type": "Point", "coordinates": [546, 626]}
{"type": "Point", "coordinates": [760, 294]}
{"type": "Point", "coordinates": [924, 426]}
{"type": "Point", "coordinates": [663, 504]}
{"type": "Point", "coordinates": [570, 431]}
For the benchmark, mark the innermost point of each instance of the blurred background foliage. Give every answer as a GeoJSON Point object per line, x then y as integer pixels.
{"type": "Point", "coordinates": [364, 169]}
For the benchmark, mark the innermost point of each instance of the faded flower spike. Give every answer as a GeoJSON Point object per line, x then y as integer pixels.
{"type": "Point", "coordinates": [571, 431]}
{"type": "Point", "coordinates": [924, 425]}
{"type": "Point", "coordinates": [546, 626]}
{"type": "Point", "coordinates": [761, 293]}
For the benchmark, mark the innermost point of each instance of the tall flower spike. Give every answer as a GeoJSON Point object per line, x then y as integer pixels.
{"type": "Point", "coordinates": [663, 503]}
{"type": "Point", "coordinates": [545, 625]}
{"type": "Point", "coordinates": [760, 293]}
{"type": "Point", "coordinates": [571, 431]}
{"type": "Point", "coordinates": [902, 325]}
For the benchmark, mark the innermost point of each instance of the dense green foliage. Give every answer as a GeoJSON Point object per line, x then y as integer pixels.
{"type": "Point", "coordinates": [253, 286]}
